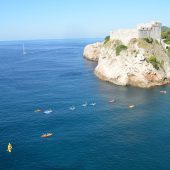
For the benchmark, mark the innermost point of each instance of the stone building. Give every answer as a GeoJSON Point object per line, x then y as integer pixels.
{"type": "Point", "coordinates": [148, 30]}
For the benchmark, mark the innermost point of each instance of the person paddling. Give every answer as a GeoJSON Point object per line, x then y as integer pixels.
{"type": "Point", "coordinates": [9, 149]}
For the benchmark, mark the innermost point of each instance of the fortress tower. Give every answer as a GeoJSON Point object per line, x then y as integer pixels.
{"type": "Point", "coordinates": [150, 30]}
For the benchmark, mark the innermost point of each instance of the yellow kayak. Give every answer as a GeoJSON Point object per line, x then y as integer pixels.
{"type": "Point", "coordinates": [37, 110]}
{"type": "Point", "coordinates": [9, 149]}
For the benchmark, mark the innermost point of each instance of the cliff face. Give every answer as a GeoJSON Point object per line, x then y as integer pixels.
{"type": "Point", "coordinates": [141, 63]}
{"type": "Point", "coordinates": [92, 51]}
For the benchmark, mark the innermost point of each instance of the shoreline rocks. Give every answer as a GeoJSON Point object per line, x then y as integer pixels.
{"type": "Point", "coordinates": [92, 51]}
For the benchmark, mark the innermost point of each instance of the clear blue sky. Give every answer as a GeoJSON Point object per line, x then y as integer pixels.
{"type": "Point", "coordinates": [52, 19]}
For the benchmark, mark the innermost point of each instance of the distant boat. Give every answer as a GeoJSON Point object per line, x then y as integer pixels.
{"type": "Point", "coordinates": [46, 135]}
{"type": "Point", "coordinates": [48, 111]}
{"type": "Point", "coordinates": [84, 105]}
{"type": "Point", "coordinates": [112, 101]}
{"type": "Point", "coordinates": [163, 92]}
{"type": "Point", "coordinates": [72, 108]}
{"type": "Point", "coordinates": [23, 49]}
{"type": "Point", "coordinates": [131, 106]}
{"type": "Point", "coordinates": [37, 110]}
{"type": "Point", "coordinates": [93, 104]}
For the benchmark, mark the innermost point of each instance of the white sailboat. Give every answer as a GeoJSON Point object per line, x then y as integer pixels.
{"type": "Point", "coordinates": [23, 49]}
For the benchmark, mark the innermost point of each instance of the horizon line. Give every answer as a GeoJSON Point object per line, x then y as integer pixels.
{"type": "Point", "coordinates": [43, 39]}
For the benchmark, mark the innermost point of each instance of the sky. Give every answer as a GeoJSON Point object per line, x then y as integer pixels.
{"type": "Point", "coordinates": [60, 19]}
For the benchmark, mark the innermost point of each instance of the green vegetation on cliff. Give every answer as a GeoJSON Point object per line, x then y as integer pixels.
{"type": "Point", "coordinates": [152, 59]}
{"type": "Point", "coordinates": [167, 41]}
{"type": "Point", "coordinates": [119, 48]}
{"type": "Point", "coordinates": [148, 40]}
{"type": "Point", "coordinates": [107, 39]}
{"type": "Point", "coordinates": [166, 34]}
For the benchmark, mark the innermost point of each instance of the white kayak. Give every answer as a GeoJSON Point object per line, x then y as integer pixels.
{"type": "Point", "coordinates": [48, 111]}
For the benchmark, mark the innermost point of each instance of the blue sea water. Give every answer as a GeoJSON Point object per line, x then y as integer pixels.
{"type": "Point", "coordinates": [53, 74]}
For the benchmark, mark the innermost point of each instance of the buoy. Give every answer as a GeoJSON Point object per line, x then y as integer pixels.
{"type": "Point", "coordinates": [9, 149]}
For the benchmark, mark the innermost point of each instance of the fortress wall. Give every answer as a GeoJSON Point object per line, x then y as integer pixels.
{"type": "Point", "coordinates": [143, 33]}
{"type": "Point", "coordinates": [124, 35]}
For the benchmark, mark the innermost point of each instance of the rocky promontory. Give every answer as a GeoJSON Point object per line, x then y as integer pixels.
{"type": "Point", "coordinates": [141, 62]}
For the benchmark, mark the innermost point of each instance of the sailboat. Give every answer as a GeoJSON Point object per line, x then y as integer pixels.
{"type": "Point", "coordinates": [23, 49]}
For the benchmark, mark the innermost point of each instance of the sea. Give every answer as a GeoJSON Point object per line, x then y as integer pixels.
{"type": "Point", "coordinates": [105, 136]}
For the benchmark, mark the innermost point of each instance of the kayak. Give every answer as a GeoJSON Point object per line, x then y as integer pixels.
{"type": "Point", "coordinates": [131, 106]}
{"type": "Point", "coordinates": [84, 105]}
{"type": "Point", "coordinates": [37, 110]}
{"type": "Point", "coordinates": [9, 149]}
{"type": "Point", "coordinates": [46, 135]}
{"type": "Point", "coordinates": [163, 92]}
{"type": "Point", "coordinates": [93, 104]}
{"type": "Point", "coordinates": [112, 101]}
{"type": "Point", "coordinates": [72, 108]}
{"type": "Point", "coordinates": [48, 111]}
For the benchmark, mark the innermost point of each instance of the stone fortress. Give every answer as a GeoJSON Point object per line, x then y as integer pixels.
{"type": "Point", "coordinates": [150, 30]}
{"type": "Point", "coordinates": [142, 63]}
{"type": "Point", "coordinates": [147, 30]}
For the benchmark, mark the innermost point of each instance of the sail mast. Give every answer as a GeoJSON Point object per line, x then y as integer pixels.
{"type": "Point", "coordinates": [23, 49]}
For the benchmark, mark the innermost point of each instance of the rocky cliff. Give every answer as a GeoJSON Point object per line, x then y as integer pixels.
{"type": "Point", "coordinates": [140, 62]}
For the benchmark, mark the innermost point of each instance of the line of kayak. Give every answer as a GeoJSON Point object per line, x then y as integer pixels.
{"type": "Point", "coordinates": [91, 104]}
{"type": "Point", "coordinates": [72, 108]}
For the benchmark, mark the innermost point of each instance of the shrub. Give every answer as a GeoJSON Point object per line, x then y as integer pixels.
{"type": "Point", "coordinates": [142, 44]}
{"type": "Point", "coordinates": [107, 39]}
{"type": "Point", "coordinates": [167, 41]}
{"type": "Point", "coordinates": [119, 48]}
{"type": "Point", "coordinates": [148, 40]}
{"type": "Point", "coordinates": [165, 34]}
{"type": "Point", "coordinates": [152, 59]}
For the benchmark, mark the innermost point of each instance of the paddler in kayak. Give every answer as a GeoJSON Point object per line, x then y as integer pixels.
{"type": "Point", "coordinates": [9, 149]}
{"type": "Point", "coordinates": [46, 135]}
